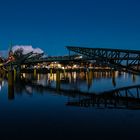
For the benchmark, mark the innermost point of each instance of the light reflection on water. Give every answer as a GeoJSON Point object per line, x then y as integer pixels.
{"type": "Point", "coordinates": [89, 82]}
{"type": "Point", "coordinates": [61, 104]}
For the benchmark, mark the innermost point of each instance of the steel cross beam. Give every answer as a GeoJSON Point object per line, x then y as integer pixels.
{"type": "Point", "coordinates": [128, 60]}
{"type": "Point", "coordinates": [33, 60]}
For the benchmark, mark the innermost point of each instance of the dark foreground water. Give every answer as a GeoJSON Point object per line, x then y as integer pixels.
{"type": "Point", "coordinates": [53, 106]}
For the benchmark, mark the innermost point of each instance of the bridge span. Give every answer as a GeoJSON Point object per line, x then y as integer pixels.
{"type": "Point", "coordinates": [128, 60]}
{"type": "Point", "coordinates": [118, 59]}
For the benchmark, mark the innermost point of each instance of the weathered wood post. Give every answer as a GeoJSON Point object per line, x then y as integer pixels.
{"type": "Point", "coordinates": [15, 73]}
{"type": "Point", "coordinates": [134, 78]}
{"type": "Point", "coordinates": [11, 84]}
{"type": "Point", "coordinates": [35, 73]}
{"type": "Point", "coordinates": [113, 78]}
{"type": "Point", "coordinates": [58, 79]}
{"type": "Point", "coordinates": [89, 77]}
{"type": "Point", "coordinates": [50, 71]}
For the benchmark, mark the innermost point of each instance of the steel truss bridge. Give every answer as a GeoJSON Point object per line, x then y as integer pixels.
{"type": "Point", "coordinates": [118, 59]}
{"type": "Point", "coordinates": [32, 58]}
{"type": "Point", "coordinates": [128, 60]}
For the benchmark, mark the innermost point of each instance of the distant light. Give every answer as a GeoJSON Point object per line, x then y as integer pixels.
{"type": "Point", "coordinates": [2, 83]}
{"type": "Point", "coordinates": [24, 75]}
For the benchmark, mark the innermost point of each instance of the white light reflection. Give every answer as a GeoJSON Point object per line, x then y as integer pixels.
{"type": "Point", "coordinates": [74, 76]}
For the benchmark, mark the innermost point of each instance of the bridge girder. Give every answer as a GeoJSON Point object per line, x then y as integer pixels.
{"type": "Point", "coordinates": [128, 60]}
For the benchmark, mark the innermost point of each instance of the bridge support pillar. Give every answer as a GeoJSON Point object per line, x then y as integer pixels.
{"type": "Point", "coordinates": [89, 78]}
{"type": "Point", "coordinates": [64, 71]}
{"type": "Point", "coordinates": [15, 72]}
{"type": "Point", "coordinates": [113, 78]}
{"type": "Point", "coordinates": [134, 78]}
{"type": "Point", "coordinates": [34, 73]}
{"type": "Point", "coordinates": [58, 79]}
{"type": "Point", "coordinates": [11, 84]}
{"type": "Point", "coordinates": [51, 71]}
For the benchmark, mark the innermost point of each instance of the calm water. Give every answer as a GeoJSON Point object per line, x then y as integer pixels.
{"type": "Point", "coordinates": [61, 106]}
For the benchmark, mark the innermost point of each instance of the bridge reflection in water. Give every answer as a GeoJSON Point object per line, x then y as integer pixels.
{"type": "Point", "coordinates": [121, 98]}
{"type": "Point", "coordinates": [68, 84]}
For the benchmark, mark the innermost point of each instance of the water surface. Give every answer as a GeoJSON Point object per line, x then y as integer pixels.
{"type": "Point", "coordinates": [62, 106]}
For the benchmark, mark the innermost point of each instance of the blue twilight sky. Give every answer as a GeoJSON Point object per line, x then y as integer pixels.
{"type": "Point", "coordinates": [53, 24]}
